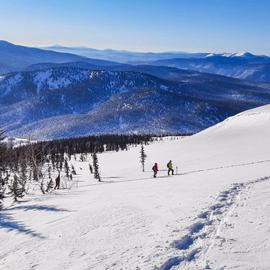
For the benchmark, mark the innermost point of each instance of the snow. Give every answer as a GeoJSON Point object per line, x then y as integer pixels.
{"type": "Point", "coordinates": [243, 54]}
{"type": "Point", "coordinates": [47, 80]}
{"type": "Point", "coordinates": [10, 82]}
{"type": "Point", "coordinates": [164, 87]}
{"type": "Point", "coordinates": [16, 142]}
{"type": "Point", "coordinates": [210, 55]}
{"type": "Point", "coordinates": [238, 54]}
{"type": "Point", "coordinates": [214, 214]}
{"type": "Point", "coordinates": [243, 237]}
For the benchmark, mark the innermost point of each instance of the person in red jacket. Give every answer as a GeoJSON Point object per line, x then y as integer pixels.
{"type": "Point", "coordinates": [155, 170]}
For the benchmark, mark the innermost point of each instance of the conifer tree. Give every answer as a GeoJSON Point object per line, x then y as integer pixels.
{"type": "Point", "coordinates": [142, 157]}
{"type": "Point", "coordinates": [96, 167]}
{"type": "Point", "coordinates": [17, 187]}
{"type": "Point", "coordinates": [73, 171]}
{"type": "Point", "coordinates": [2, 168]}
{"type": "Point", "coordinates": [66, 168]}
{"type": "Point", "coordinates": [2, 147]}
{"type": "Point", "coordinates": [90, 168]}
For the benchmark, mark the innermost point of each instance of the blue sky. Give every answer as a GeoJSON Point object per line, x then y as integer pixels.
{"type": "Point", "coordinates": [140, 25]}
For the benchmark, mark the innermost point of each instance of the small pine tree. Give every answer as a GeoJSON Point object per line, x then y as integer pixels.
{"type": "Point", "coordinates": [50, 185]}
{"type": "Point", "coordinates": [96, 167]}
{"type": "Point", "coordinates": [73, 171]}
{"type": "Point", "coordinates": [49, 172]}
{"type": "Point", "coordinates": [17, 187]}
{"type": "Point", "coordinates": [82, 157]}
{"type": "Point", "coordinates": [66, 168]}
{"type": "Point", "coordinates": [90, 168]}
{"type": "Point", "coordinates": [2, 136]}
{"type": "Point", "coordinates": [2, 169]}
{"type": "Point", "coordinates": [2, 189]}
{"type": "Point", "coordinates": [2, 149]}
{"type": "Point", "coordinates": [142, 157]}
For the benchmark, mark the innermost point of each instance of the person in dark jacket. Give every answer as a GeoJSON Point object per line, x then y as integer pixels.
{"type": "Point", "coordinates": [57, 182]}
{"type": "Point", "coordinates": [155, 170]}
{"type": "Point", "coordinates": [170, 167]}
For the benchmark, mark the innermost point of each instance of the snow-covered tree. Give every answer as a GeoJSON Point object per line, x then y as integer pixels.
{"type": "Point", "coordinates": [142, 157]}
{"type": "Point", "coordinates": [73, 171]}
{"type": "Point", "coordinates": [96, 167]}
{"type": "Point", "coordinates": [90, 168]}
{"type": "Point", "coordinates": [2, 148]}
{"type": "Point", "coordinates": [66, 168]}
{"type": "Point", "coordinates": [17, 186]}
{"type": "Point", "coordinates": [2, 169]}
{"type": "Point", "coordinates": [2, 136]}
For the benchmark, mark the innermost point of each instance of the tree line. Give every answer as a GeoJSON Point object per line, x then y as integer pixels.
{"type": "Point", "coordinates": [38, 163]}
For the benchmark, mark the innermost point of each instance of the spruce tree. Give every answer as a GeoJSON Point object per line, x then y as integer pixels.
{"type": "Point", "coordinates": [17, 187]}
{"type": "Point", "coordinates": [96, 167]}
{"type": "Point", "coordinates": [2, 148]}
{"type": "Point", "coordinates": [73, 169]}
{"type": "Point", "coordinates": [90, 168]}
{"type": "Point", "coordinates": [142, 157]}
{"type": "Point", "coordinates": [2, 136]}
{"type": "Point", "coordinates": [66, 168]}
{"type": "Point", "coordinates": [2, 168]}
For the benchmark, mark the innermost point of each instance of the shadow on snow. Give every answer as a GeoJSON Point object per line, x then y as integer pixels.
{"type": "Point", "coordinates": [39, 208]}
{"type": "Point", "coordinates": [9, 223]}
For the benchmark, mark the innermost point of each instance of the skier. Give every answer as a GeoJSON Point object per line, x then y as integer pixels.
{"type": "Point", "coordinates": [155, 170]}
{"type": "Point", "coordinates": [57, 182]}
{"type": "Point", "coordinates": [170, 167]}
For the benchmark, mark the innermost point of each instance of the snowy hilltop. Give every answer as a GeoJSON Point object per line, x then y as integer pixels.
{"type": "Point", "coordinates": [212, 214]}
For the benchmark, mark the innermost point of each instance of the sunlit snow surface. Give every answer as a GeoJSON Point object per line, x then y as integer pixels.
{"type": "Point", "coordinates": [213, 215]}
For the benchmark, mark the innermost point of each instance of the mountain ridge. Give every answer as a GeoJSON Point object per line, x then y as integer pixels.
{"type": "Point", "coordinates": [69, 101]}
{"type": "Point", "coordinates": [17, 57]}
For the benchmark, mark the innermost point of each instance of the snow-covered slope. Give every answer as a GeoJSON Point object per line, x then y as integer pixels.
{"type": "Point", "coordinates": [192, 220]}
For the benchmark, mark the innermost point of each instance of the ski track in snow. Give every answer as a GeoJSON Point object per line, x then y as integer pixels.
{"type": "Point", "coordinates": [202, 234]}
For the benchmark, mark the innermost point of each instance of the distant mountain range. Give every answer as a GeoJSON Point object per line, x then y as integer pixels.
{"type": "Point", "coordinates": [244, 66]}
{"type": "Point", "coordinates": [70, 101]}
{"type": "Point", "coordinates": [17, 58]}
{"type": "Point", "coordinates": [46, 94]}
{"type": "Point", "coordinates": [127, 57]}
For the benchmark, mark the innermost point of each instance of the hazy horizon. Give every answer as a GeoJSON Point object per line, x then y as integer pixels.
{"type": "Point", "coordinates": [141, 26]}
{"type": "Point", "coordinates": [125, 50]}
